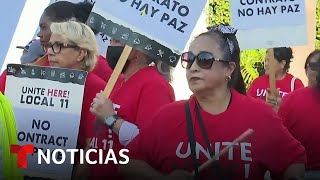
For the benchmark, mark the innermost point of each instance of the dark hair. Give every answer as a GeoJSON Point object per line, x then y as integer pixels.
{"type": "Point", "coordinates": [61, 11]}
{"type": "Point", "coordinates": [314, 54]}
{"type": "Point", "coordinates": [64, 11]}
{"type": "Point", "coordinates": [222, 39]}
{"type": "Point", "coordinates": [283, 53]}
{"type": "Point", "coordinates": [82, 15]}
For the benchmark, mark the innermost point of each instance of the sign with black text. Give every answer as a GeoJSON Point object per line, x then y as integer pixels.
{"type": "Point", "coordinates": [159, 28]}
{"type": "Point", "coordinates": [47, 104]}
{"type": "Point", "coordinates": [267, 24]}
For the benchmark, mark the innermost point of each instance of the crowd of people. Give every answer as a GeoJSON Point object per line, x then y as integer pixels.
{"type": "Point", "coordinates": [169, 139]}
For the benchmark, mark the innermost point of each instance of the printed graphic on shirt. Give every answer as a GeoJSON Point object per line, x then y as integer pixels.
{"type": "Point", "coordinates": [222, 170]}
{"type": "Point", "coordinates": [263, 93]}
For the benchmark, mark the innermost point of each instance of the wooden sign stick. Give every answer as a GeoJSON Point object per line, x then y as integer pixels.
{"type": "Point", "coordinates": [242, 137]}
{"type": "Point", "coordinates": [272, 73]}
{"type": "Point", "coordinates": [41, 61]}
{"type": "Point", "coordinates": [117, 70]}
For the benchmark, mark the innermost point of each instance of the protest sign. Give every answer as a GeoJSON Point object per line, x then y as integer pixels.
{"type": "Point", "coordinates": [159, 28]}
{"type": "Point", "coordinates": [269, 23]}
{"type": "Point", "coordinates": [47, 104]}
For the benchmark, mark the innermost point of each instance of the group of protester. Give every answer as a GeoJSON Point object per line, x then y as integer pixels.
{"type": "Point", "coordinates": [168, 139]}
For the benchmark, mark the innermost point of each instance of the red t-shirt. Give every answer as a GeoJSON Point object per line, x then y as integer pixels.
{"type": "Point", "coordinates": [3, 79]}
{"type": "Point", "coordinates": [288, 84]}
{"type": "Point", "coordinates": [164, 145]}
{"type": "Point", "coordinates": [300, 113]}
{"type": "Point", "coordinates": [102, 69]}
{"type": "Point", "coordinates": [93, 85]}
{"type": "Point", "coordinates": [135, 101]}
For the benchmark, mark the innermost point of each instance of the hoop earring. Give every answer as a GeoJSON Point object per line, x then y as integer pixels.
{"type": "Point", "coordinates": [228, 78]}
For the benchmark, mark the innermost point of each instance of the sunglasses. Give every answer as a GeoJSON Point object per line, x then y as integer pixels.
{"type": "Point", "coordinates": [57, 46]}
{"type": "Point", "coordinates": [204, 60]}
{"type": "Point", "coordinates": [314, 66]}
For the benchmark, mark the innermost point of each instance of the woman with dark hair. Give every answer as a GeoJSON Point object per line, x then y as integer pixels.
{"type": "Point", "coordinates": [311, 66]}
{"type": "Point", "coordinates": [300, 113]}
{"type": "Point", "coordinates": [185, 134]}
{"type": "Point", "coordinates": [285, 82]}
{"type": "Point", "coordinates": [56, 12]}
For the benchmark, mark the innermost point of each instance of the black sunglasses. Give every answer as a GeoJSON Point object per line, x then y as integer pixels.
{"type": "Point", "coordinates": [204, 60]}
{"type": "Point", "coordinates": [57, 46]}
{"type": "Point", "coordinates": [314, 66]}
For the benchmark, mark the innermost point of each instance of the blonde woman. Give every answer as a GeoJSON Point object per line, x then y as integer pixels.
{"type": "Point", "coordinates": [73, 45]}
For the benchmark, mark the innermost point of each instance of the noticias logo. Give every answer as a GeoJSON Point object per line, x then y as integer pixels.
{"type": "Point", "coordinates": [59, 156]}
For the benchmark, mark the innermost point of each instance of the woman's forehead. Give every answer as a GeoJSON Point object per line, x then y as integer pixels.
{"type": "Point", "coordinates": [45, 20]}
{"type": "Point", "coordinates": [206, 43]}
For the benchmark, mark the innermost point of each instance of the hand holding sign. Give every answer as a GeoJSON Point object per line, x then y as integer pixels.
{"type": "Point", "coordinates": [274, 101]}
{"type": "Point", "coordinates": [102, 107]}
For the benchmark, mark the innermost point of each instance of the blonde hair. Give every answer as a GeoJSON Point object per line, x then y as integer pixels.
{"type": "Point", "coordinates": [82, 36]}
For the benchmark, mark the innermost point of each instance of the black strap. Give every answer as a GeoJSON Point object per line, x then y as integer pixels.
{"type": "Point", "coordinates": [192, 140]}
{"type": "Point", "coordinates": [203, 129]}
{"type": "Point", "coordinates": [204, 132]}
{"type": "Point", "coordinates": [205, 135]}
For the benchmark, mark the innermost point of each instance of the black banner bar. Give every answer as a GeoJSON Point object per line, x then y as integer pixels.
{"type": "Point", "coordinates": [50, 73]}
{"type": "Point", "coordinates": [133, 39]}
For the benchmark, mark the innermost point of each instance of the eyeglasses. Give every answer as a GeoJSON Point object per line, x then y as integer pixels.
{"type": "Point", "coordinates": [57, 46]}
{"type": "Point", "coordinates": [314, 66]}
{"type": "Point", "coordinates": [204, 60]}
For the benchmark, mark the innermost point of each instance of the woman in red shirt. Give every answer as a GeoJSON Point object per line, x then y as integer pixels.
{"type": "Point", "coordinates": [144, 90]}
{"type": "Point", "coordinates": [185, 134]}
{"type": "Point", "coordinates": [285, 83]}
{"type": "Point", "coordinates": [300, 112]}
